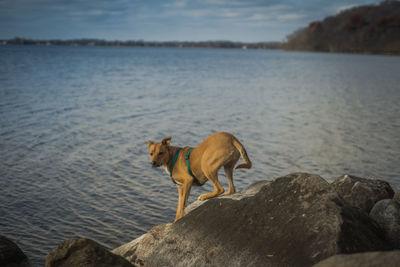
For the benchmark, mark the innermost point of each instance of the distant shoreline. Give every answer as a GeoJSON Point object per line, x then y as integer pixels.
{"type": "Point", "coordinates": [140, 43]}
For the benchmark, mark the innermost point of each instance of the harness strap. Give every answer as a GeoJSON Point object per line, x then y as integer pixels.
{"type": "Point", "coordinates": [189, 169]}
{"type": "Point", "coordinates": [173, 164]}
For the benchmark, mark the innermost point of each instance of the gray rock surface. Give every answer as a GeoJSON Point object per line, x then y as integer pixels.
{"type": "Point", "coordinates": [397, 196]}
{"type": "Point", "coordinates": [140, 248]}
{"type": "Point", "coordinates": [367, 259]}
{"type": "Point", "coordinates": [83, 252]}
{"type": "Point", "coordinates": [248, 192]}
{"type": "Point", "coordinates": [387, 213]}
{"type": "Point", "coordinates": [295, 220]}
{"type": "Point", "coordinates": [11, 255]}
{"type": "Point", "coordinates": [361, 192]}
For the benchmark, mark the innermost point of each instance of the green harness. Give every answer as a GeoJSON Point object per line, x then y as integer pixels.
{"type": "Point", "coordinates": [187, 164]}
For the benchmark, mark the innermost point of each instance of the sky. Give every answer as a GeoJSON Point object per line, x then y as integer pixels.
{"type": "Point", "coordinates": [164, 20]}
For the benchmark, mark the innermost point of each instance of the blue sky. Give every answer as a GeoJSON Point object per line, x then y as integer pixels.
{"type": "Point", "coordinates": [182, 20]}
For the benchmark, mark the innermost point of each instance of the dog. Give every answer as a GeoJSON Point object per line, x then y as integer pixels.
{"type": "Point", "coordinates": [194, 166]}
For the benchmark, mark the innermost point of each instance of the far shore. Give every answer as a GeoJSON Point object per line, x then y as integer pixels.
{"type": "Point", "coordinates": [141, 43]}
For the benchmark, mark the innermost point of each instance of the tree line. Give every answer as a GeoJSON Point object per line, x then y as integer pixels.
{"type": "Point", "coordinates": [363, 29]}
{"type": "Point", "coordinates": [141, 43]}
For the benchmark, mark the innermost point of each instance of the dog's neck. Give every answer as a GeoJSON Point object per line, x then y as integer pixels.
{"type": "Point", "coordinates": [172, 152]}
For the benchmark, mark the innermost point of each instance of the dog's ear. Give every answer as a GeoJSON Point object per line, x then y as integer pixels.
{"type": "Point", "coordinates": [166, 140]}
{"type": "Point", "coordinates": [149, 142]}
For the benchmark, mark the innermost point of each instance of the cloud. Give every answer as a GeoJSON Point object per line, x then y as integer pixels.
{"type": "Point", "coordinates": [290, 16]}
{"type": "Point", "coordinates": [179, 4]}
{"type": "Point", "coordinates": [229, 13]}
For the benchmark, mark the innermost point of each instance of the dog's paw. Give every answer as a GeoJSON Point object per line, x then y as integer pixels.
{"type": "Point", "coordinates": [170, 224]}
{"type": "Point", "coordinates": [202, 197]}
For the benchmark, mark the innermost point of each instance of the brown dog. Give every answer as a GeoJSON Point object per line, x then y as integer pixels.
{"type": "Point", "coordinates": [188, 166]}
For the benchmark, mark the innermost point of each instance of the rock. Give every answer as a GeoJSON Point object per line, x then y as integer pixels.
{"type": "Point", "coordinates": [140, 248]}
{"type": "Point", "coordinates": [387, 213]}
{"type": "Point", "coordinates": [11, 255]}
{"type": "Point", "coordinates": [367, 259]}
{"type": "Point", "coordinates": [397, 196]}
{"type": "Point", "coordinates": [83, 252]}
{"type": "Point", "coordinates": [295, 220]}
{"type": "Point", "coordinates": [248, 192]}
{"type": "Point", "coordinates": [361, 192]}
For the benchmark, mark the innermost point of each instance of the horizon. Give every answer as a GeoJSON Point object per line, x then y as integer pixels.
{"type": "Point", "coordinates": [164, 21]}
{"type": "Point", "coordinates": [134, 40]}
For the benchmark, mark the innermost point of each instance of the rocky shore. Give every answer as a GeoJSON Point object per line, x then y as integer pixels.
{"type": "Point", "coordinates": [295, 220]}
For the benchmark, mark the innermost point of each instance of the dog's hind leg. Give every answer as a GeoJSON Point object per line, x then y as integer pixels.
{"type": "Point", "coordinates": [229, 175]}
{"type": "Point", "coordinates": [218, 189]}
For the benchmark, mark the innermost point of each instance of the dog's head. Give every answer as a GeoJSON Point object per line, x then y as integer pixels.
{"type": "Point", "coordinates": [159, 152]}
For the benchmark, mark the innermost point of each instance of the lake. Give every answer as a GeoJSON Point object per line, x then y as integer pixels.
{"type": "Point", "coordinates": [74, 121]}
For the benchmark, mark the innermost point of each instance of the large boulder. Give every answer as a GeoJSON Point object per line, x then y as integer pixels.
{"type": "Point", "coordinates": [361, 192]}
{"type": "Point", "coordinates": [387, 213]}
{"type": "Point", "coordinates": [139, 249]}
{"type": "Point", "coordinates": [366, 259]}
{"type": "Point", "coordinates": [295, 220]}
{"type": "Point", "coordinates": [83, 252]}
{"type": "Point", "coordinates": [11, 255]}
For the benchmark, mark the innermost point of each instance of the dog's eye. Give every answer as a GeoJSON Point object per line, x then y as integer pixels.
{"type": "Point", "coordinates": [160, 153]}
{"type": "Point", "coordinates": [151, 154]}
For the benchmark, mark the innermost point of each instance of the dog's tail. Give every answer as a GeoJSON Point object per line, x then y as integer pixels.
{"type": "Point", "coordinates": [243, 153]}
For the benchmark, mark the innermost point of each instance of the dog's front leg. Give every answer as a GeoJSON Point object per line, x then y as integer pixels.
{"type": "Point", "coordinates": [183, 191]}
{"type": "Point", "coordinates": [178, 210]}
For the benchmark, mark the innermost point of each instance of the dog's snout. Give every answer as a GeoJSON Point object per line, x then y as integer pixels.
{"type": "Point", "coordinates": [154, 164]}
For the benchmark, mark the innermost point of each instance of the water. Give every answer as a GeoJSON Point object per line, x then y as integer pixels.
{"type": "Point", "coordinates": [74, 121]}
